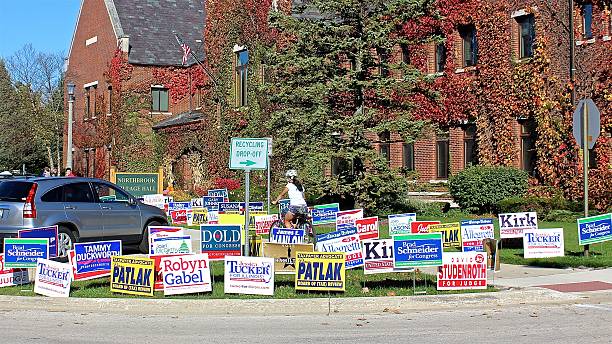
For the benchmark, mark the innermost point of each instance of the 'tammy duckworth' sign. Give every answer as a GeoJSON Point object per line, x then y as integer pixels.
{"type": "Point", "coordinates": [512, 225]}
{"type": "Point", "coordinates": [463, 270]}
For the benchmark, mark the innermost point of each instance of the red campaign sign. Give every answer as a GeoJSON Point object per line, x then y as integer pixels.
{"type": "Point", "coordinates": [422, 227]}
{"type": "Point", "coordinates": [159, 276]}
{"type": "Point", "coordinates": [179, 217]}
{"type": "Point", "coordinates": [11, 276]}
{"type": "Point", "coordinates": [463, 270]}
{"type": "Point", "coordinates": [367, 228]}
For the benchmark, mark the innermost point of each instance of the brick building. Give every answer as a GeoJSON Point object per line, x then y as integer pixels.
{"type": "Point", "coordinates": [472, 53]}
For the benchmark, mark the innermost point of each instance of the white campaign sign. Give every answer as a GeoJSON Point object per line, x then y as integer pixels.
{"type": "Point", "coordinates": [186, 274]}
{"type": "Point", "coordinates": [401, 223]}
{"type": "Point", "coordinates": [248, 154]}
{"type": "Point", "coordinates": [543, 243]}
{"type": "Point", "coordinates": [249, 275]}
{"type": "Point", "coordinates": [52, 278]}
{"type": "Point", "coordinates": [512, 225]}
{"type": "Point", "coordinates": [11, 277]}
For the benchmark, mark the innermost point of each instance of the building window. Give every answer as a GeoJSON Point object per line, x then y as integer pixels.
{"type": "Point", "coordinates": [526, 35]}
{"type": "Point", "coordinates": [342, 167]}
{"type": "Point", "coordinates": [159, 99]}
{"type": "Point", "coordinates": [408, 156]}
{"type": "Point", "coordinates": [405, 53]}
{"type": "Point", "coordinates": [587, 21]}
{"type": "Point", "coordinates": [593, 158]}
{"type": "Point", "coordinates": [440, 57]}
{"type": "Point", "coordinates": [384, 148]}
{"type": "Point", "coordinates": [87, 103]}
{"type": "Point", "coordinates": [470, 45]}
{"type": "Point", "coordinates": [94, 106]}
{"type": "Point", "coordinates": [383, 60]}
{"type": "Point", "coordinates": [528, 146]}
{"type": "Point", "coordinates": [242, 70]}
{"type": "Point", "coordinates": [442, 156]}
{"type": "Point", "coordinates": [110, 100]}
{"type": "Point", "coordinates": [470, 145]}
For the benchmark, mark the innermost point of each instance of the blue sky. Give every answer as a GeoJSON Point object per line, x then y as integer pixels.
{"type": "Point", "coordinates": [47, 24]}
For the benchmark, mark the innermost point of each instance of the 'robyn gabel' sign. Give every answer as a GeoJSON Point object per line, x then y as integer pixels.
{"type": "Point", "coordinates": [132, 275]}
{"type": "Point", "coordinates": [323, 271]}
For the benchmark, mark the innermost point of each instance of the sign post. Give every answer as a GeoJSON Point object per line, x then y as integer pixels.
{"type": "Point", "coordinates": [248, 154]}
{"type": "Point", "coordinates": [586, 122]}
{"type": "Point", "coordinates": [269, 171]}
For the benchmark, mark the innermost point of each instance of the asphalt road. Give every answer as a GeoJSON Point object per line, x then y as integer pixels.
{"type": "Point", "coordinates": [558, 323]}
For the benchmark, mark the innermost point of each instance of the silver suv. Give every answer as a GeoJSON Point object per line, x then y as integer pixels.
{"type": "Point", "coordinates": [84, 209]}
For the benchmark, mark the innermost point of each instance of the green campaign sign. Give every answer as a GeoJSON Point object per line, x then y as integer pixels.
{"type": "Point", "coordinates": [139, 184]}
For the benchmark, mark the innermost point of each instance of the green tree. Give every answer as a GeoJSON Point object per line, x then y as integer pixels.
{"type": "Point", "coordinates": [9, 107]}
{"type": "Point", "coordinates": [336, 86]}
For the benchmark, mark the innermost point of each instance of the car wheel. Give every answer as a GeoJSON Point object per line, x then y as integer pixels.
{"type": "Point", "coordinates": [65, 242]}
{"type": "Point", "coordinates": [143, 247]}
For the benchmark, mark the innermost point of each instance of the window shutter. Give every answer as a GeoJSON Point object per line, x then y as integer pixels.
{"type": "Point", "coordinates": [155, 100]}
{"type": "Point", "coordinates": [587, 13]}
{"type": "Point", "coordinates": [163, 100]}
{"type": "Point", "coordinates": [474, 47]}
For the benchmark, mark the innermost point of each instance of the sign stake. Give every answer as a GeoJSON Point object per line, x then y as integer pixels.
{"type": "Point", "coordinates": [247, 194]}
{"type": "Point", "coordinates": [585, 163]}
{"type": "Point", "coordinates": [328, 303]}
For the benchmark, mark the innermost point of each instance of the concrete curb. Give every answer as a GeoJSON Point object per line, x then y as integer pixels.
{"type": "Point", "coordinates": [358, 305]}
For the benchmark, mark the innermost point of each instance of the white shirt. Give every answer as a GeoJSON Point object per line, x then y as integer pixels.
{"type": "Point", "coordinates": [296, 197]}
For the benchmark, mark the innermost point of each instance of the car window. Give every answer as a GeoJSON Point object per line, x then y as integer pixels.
{"type": "Point", "coordinates": [78, 192]}
{"type": "Point", "coordinates": [54, 195]}
{"type": "Point", "coordinates": [110, 194]}
{"type": "Point", "coordinates": [14, 191]}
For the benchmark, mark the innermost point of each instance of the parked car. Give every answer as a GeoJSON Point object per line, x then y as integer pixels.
{"type": "Point", "coordinates": [84, 209]}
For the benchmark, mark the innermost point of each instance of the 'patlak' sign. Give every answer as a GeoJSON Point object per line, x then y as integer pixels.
{"type": "Point", "coordinates": [512, 225]}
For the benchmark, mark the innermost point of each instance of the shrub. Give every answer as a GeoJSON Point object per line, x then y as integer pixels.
{"type": "Point", "coordinates": [481, 188]}
{"type": "Point", "coordinates": [548, 208]}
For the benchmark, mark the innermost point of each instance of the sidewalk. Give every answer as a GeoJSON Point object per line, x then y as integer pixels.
{"type": "Point", "coordinates": [521, 276]}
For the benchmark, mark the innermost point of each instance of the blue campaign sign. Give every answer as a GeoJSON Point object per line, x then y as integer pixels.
{"type": "Point", "coordinates": [283, 206]}
{"type": "Point", "coordinates": [325, 213]}
{"type": "Point", "coordinates": [211, 203]}
{"type": "Point", "coordinates": [95, 256]}
{"type": "Point", "coordinates": [594, 229]}
{"type": "Point", "coordinates": [219, 193]}
{"type": "Point", "coordinates": [287, 235]}
{"type": "Point", "coordinates": [42, 232]}
{"type": "Point", "coordinates": [23, 253]}
{"type": "Point", "coordinates": [417, 250]}
{"type": "Point", "coordinates": [229, 207]}
{"type": "Point", "coordinates": [221, 240]}
{"type": "Point", "coordinates": [336, 234]}
{"type": "Point", "coordinates": [179, 206]}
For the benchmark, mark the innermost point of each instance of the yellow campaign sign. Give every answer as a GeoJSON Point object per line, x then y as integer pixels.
{"type": "Point", "coordinates": [451, 233]}
{"type": "Point", "coordinates": [324, 271]}
{"type": "Point", "coordinates": [238, 219]}
{"type": "Point", "coordinates": [132, 275]}
{"type": "Point", "coordinates": [199, 217]}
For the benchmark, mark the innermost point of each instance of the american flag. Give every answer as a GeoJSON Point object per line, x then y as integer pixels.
{"type": "Point", "coordinates": [186, 52]}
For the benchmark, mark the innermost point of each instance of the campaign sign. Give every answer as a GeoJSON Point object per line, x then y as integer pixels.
{"type": "Point", "coordinates": [171, 245]}
{"type": "Point", "coordinates": [253, 207]}
{"type": "Point", "coordinates": [377, 256]}
{"type": "Point", "coordinates": [196, 203]}
{"type": "Point", "coordinates": [417, 250]}
{"type": "Point", "coordinates": [287, 235]}
{"type": "Point", "coordinates": [367, 228]}
{"type": "Point", "coordinates": [213, 217]}
{"type": "Point", "coordinates": [284, 255]}
{"type": "Point", "coordinates": [346, 219]}
{"type": "Point", "coordinates": [179, 217]}
{"type": "Point", "coordinates": [463, 270]}
{"type": "Point", "coordinates": [324, 213]}
{"type": "Point", "coordinates": [94, 257]}
{"type": "Point", "coordinates": [198, 217]}
{"type": "Point", "coordinates": [512, 225]}
{"type": "Point", "coordinates": [23, 253]}
{"type": "Point", "coordinates": [323, 271]}
{"type": "Point", "coordinates": [158, 278]}
{"type": "Point", "coordinates": [12, 277]}
{"type": "Point", "coordinates": [221, 240]}
{"type": "Point", "coordinates": [473, 232]}
{"type": "Point", "coordinates": [249, 275]}
{"type": "Point", "coordinates": [179, 206]}
{"type": "Point", "coordinates": [595, 229]}
{"type": "Point", "coordinates": [155, 200]}
{"type": "Point", "coordinates": [229, 208]}
{"type": "Point", "coordinates": [543, 243]}
{"type": "Point", "coordinates": [283, 206]}
{"type": "Point", "coordinates": [422, 227]}
{"type": "Point", "coordinates": [42, 232]}
{"type": "Point", "coordinates": [219, 193]}
{"type": "Point", "coordinates": [163, 232]}
{"type": "Point", "coordinates": [52, 278]}
{"type": "Point", "coordinates": [401, 223]}
{"type": "Point", "coordinates": [263, 223]}
{"type": "Point", "coordinates": [131, 275]}
{"type": "Point", "coordinates": [186, 274]}
{"type": "Point", "coordinates": [211, 203]}
{"type": "Point", "coordinates": [346, 241]}
{"type": "Point", "coordinates": [451, 233]}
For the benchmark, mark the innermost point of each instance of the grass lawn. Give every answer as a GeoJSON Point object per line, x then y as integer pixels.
{"type": "Point", "coordinates": [399, 284]}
